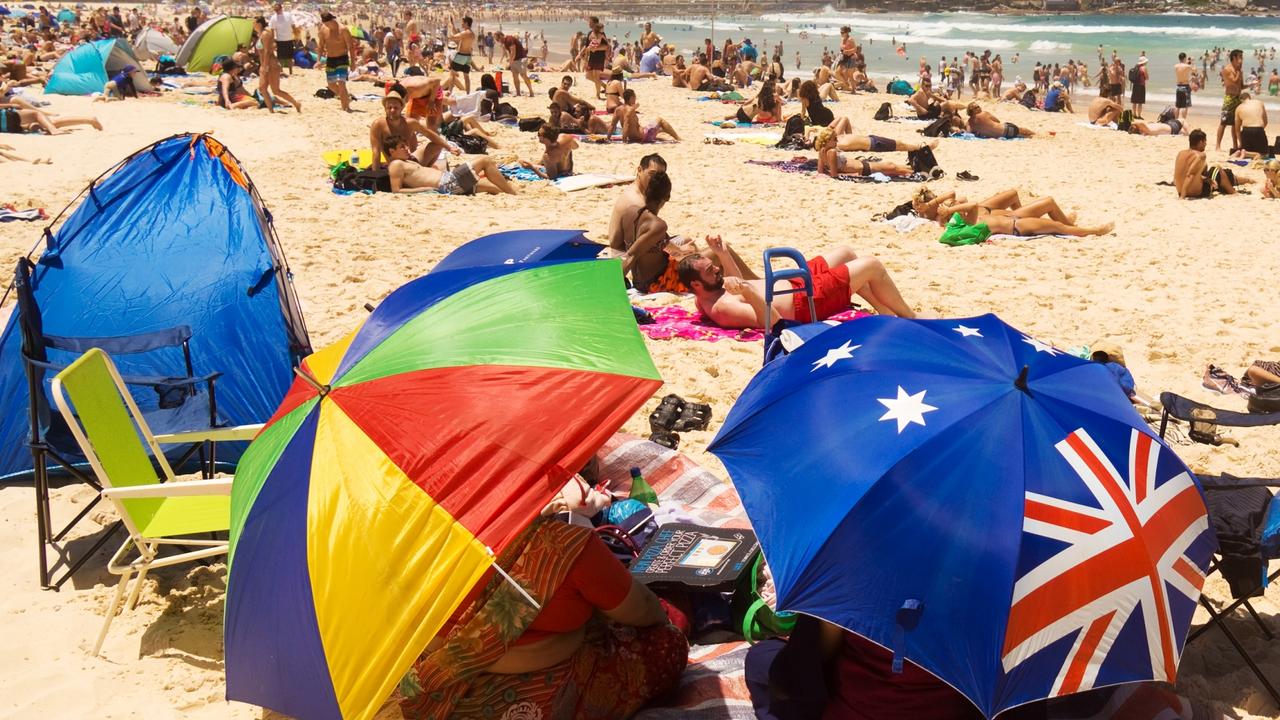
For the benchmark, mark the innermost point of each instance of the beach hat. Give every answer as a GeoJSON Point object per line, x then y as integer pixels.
{"type": "Point", "coordinates": [1105, 350]}
{"type": "Point", "coordinates": [1142, 60]}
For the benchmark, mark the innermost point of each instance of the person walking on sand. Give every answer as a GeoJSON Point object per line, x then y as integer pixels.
{"type": "Point", "coordinates": [461, 62]}
{"type": "Point", "coordinates": [269, 67]}
{"type": "Point", "coordinates": [1232, 86]}
{"type": "Point", "coordinates": [282, 28]}
{"type": "Point", "coordinates": [514, 53]}
{"type": "Point", "coordinates": [1182, 77]}
{"type": "Point", "coordinates": [338, 47]}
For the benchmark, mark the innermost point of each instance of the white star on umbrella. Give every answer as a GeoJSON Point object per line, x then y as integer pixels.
{"type": "Point", "coordinates": [1040, 346]}
{"type": "Point", "coordinates": [967, 331]}
{"type": "Point", "coordinates": [906, 409]}
{"type": "Point", "coordinates": [844, 352]}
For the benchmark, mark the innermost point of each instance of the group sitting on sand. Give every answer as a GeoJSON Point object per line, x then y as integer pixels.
{"type": "Point", "coordinates": [1004, 214]}
{"type": "Point", "coordinates": [1194, 177]}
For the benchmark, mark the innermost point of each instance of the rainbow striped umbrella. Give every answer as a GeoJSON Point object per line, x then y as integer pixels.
{"type": "Point", "coordinates": [402, 458]}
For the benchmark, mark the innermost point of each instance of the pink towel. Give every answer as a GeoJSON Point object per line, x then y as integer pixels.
{"type": "Point", "coordinates": [674, 321]}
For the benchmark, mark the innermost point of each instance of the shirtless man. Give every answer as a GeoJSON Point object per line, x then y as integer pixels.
{"type": "Point", "coordinates": [1251, 128]}
{"type": "Point", "coordinates": [1173, 126]}
{"type": "Point", "coordinates": [983, 124]}
{"type": "Point", "coordinates": [557, 152]}
{"type": "Point", "coordinates": [1192, 175]}
{"type": "Point", "coordinates": [565, 99]}
{"type": "Point", "coordinates": [628, 116]}
{"type": "Point", "coordinates": [698, 74]}
{"type": "Point", "coordinates": [461, 62]}
{"type": "Point", "coordinates": [734, 302]}
{"type": "Point", "coordinates": [338, 46]}
{"type": "Point", "coordinates": [1182, 76]}
{"type": "Point", "coordinates": [930, 105]}
{"type": "Point", "coordinates": [407, 176]}
{"type": "Point", "coordinates": [394, 124]}
{"type": "Point", "coordinates": [649, 38]}
{"type": "Point", "coordinates": [678, 72]}
{"type": "Point", "coordinates": [1104, 111]}
{"type": "Point", "coordinates": [1232, 86]}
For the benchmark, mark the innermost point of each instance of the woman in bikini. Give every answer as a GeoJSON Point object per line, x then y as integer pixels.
{"type": "Point", "coordinates": [832, 162]}
{"type": "Point", "coordinates": [1004, 214]}
{"type": "Point", "coordinates": [231, 92]}
{"type": "Point", "coordinates": [613, 90]}
{"type": "Point", "coordinates": [269, 80]}
{"type": "Point", "coordinates": [764, 108]}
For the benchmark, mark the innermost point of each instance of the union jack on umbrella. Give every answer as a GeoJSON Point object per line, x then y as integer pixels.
{"type": "Point", "coordinates": [1007, 490]}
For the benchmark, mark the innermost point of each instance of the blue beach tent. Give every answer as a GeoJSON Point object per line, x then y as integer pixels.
{"type": "Point", "coordinates": [86, 68]}
{"type": "Point", "coordinates": [174, 235]}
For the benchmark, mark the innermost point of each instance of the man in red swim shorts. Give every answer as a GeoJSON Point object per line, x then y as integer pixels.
{"type": "Point", "coordinates": [733, 302]}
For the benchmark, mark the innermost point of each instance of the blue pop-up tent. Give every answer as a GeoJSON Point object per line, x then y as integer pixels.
{"type": "Point", "coordinates": [86, 68]}
{"type": "Point", "coordinates": [175, 235]}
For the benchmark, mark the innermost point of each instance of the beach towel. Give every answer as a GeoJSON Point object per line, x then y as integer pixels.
{"type": "Point", "coordinates": [712, 687]}
{"type": "Point", "coordinates": [971, 136]}
{"type": "Point", "coordinates": [907, 223]}
{"type": "Point", "coordinates": [680, 483]}
{"type": "Point", "coordinates": [766, 139]}
{"type": "Point", "coordinates": [807, 166]}
{"type": "Point", "coordinates": [1091, 126]}
{"type": "Point", "coordinates": [674, 321]}
{"type": "Point", "coordinates": [515, 171]}
{"type": "Point", "coordinates": [583, 181]}
{"type": "Point", "coordinates": [734, 124]}
{"type": "Point", "coordinates": [8, 214]}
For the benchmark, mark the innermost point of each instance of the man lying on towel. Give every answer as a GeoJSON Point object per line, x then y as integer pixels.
{"type": "Point", "coordinates": [733, 302]}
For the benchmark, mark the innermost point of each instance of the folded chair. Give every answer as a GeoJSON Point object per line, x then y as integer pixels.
{"type": "Point", "coordinates": [116, 441]}
{"type": "Point", "coordinates": [1237, 510]}
{"type": "Point", "coordinates": [784, 336]}
{"type": "Point", "coordinates": [185, 402]}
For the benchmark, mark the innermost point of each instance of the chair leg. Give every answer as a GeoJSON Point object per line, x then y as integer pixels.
{"type": "Point", "coordinates": [1266, 631]}
{"type": "Point", "coordinates": [1219, 621]}
{"type": "Point", "coordinates": [111, 612]}
{"type": "Point", "coordinates": [42, 517]}
{"type": "Point", "coordinates": [137, 589]}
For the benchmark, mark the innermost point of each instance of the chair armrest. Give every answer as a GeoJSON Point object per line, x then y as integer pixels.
{"type": "Point", "coordinates": [185, 488]}
{"type": "Point", "coordinates": [226, 434]}
{"type": "Point", "coordinates": [157, 380]}
{"type": "Point", "coordinates": [123, 344]}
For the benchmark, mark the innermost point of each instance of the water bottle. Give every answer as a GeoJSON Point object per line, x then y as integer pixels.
{"type": "Point", "coordinates": [641, 490]}
{"type": "Point", "coordinates": [355, 158]}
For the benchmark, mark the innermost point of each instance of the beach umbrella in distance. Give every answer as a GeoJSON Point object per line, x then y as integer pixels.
{"type": "Point", "coordinates": [974, 500]}
{"type": "Point", "coordinates": [4, 10]}
{"type": "Point", "coordinates": [521, 246]}
{"type": "Point", "coordinates": [66, 15]}
{"type": "Point", "coordinates": [402, 458]}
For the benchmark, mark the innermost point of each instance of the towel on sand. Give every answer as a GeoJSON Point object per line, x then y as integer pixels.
{"type": "Point", "coordinates": [8, 213]}
{"type": "Point", "coordinates": [808, 166]}
{"type": "Point", "coordinates": [674, 321]}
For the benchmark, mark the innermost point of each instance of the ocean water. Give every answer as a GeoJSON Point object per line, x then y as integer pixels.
{"type": "Point", "coordinates": [1028, 38]}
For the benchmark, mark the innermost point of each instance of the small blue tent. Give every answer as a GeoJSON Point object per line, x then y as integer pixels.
{"type": "Point", "coordinates": [176, 234]}
{"type": "Point", "coordinates": [86, 68]}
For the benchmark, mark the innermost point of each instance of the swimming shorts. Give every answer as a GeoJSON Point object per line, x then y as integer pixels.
{"type": "Point", "coordinates": [1254, 139]}
{"type": "Point", "coordinates": [879, 144]}
{"type": "Point", "coordinates": [458, 181]}
{"type": "Point", "coordinates": [516, 66]}
{"type": "Point", "coordinates": [417, 107]}
{"type": "Point", "coordinates": [461, 62]}
{"type": "Point", "coordinates": [284, 52]}
{"type": "Point", "coordinates": [337, 68]}
{"type": "Point", "coordinates": [1175, 126]}
{"type": "Point", "coordinates": [1207, 179]}
{"type": "Point", "coordinates": [1116, 90]}
{"type": "Point", "coordinates": [830, 291]}
{"type": "Point", "coordinates": [1011, 131]}
{"type": "Point", "coordinates": [1229, 105]}
{"type": "Point", "coordinates": [847, 62]}
{"type": "Point", "coordinates": [1182, 97]}
{"type": "Point", "coordinates": [933, 113]}
{"type": "Point", "coordinates": [650, 134]}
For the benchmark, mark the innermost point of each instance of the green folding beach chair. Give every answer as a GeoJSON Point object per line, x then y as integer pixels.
{"type": "Point", "coordinates": [106, 423]}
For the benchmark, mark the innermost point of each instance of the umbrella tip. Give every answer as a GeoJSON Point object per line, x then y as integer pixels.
{"type": "Point", "coordinates": [1021, 382]}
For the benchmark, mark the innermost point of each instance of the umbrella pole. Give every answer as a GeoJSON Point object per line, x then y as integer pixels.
{"type": "Point", "coordinates": [513, 582]}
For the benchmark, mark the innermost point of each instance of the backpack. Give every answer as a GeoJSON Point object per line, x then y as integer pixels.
{"type": "Point", "coordinates": [884, 113]}
{"type": "Point", "coordinates": [900, 87]}
{"type": "Point", "coordinates": [505, 109]}
{"type": "Point", "coordinates": [1029, 100]}
{"type": "Point", "coordinates": [794, 127]}
{"type": "Point", "coordinates": [325, 93]}
{"type": "Point", "coordinates": [938, 127]}
{"type": "Point", "coordinates": [1266, 399]}
{"type": "Point", "coordinates": [1125, 122]}
{"type": "Point", "coordinates": [471, 144]}
{"type": "Point", "coordinates": [1135, 75]}
{"type": "Point", "coordinates": [346, 177]}
{"type": "Point", "coordinates": [531, 124]}
{"type": "Point", "coordinates": [922, 160]}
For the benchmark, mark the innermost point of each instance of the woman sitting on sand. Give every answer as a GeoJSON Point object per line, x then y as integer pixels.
{"type": "Point", "coordinates": [811, 107]}
{"type": "Point", "coordinates": [600, 648]}
{"type": "Point", "coordinates": [231, 92]}
{"type": "Point", "coordinates": [17, 119]}
{"type": "Point", "coordinates": [766, 107]}
{"type": "Point", "coordinates": [1004, 214]}
{"type": "Point", "coordinates": [832, 162]}
{"type": "Point", "coordinates": [613, 90]}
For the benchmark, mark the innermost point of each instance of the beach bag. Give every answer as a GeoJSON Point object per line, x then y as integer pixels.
{"type": "Point", "coordinates": [532, 124]}
{"type": "Point", "coordinates": [505, 109]}
{"type": "Point", "coordinates": [922, 160]}
{"type": "Point", "coordinates": [471, 144]}
{"type": "Point", "coordinates": [959, 232]}
{"type": "Point", "coordinates": [884, 113]}
{"type": "Point", "coordinates": [1125, 122]}
{"type": "Point", "coordinates": [325, 93]}
{"type": "Point", "coordinates": [752, 616]}
{"type": "Point", "coordinates": [1029, 100]}
{"type": "Point", "coordinates": [1135, 75]}
{"type": "Point", "coordinates": [900, 87]}
{"type": "Point", "coordinates": [793, 135]}
{"type": "Point", "coordinates": [1266, 400]}
{"type": "Point", "coordinates": [937, 128]}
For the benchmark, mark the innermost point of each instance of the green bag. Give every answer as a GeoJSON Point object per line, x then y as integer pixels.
{"type": "Point", "coordinates": [757, 620]}
{"type": "Point", "coordinates": [959, 232]}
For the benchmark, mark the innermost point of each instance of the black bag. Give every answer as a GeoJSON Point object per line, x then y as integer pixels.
{"type": "Point", "coordinates": [414, 70]}
{"type": "Point", "coordinates": [471, 144]}
{"type": "Point", "coordinates": [531, 124]}
{"type": "Point", "coordinates": [366, 181]}
{"type": "Point", "coordinates": [938, 127]}
{"type": "Point", "coordinates": [1167, 114]}
{"type": "Point", "coordinates": [1125, 122]}
{"type": "Point", "coordinates": [793, 135]}
{"type": "Point", "coordinates": [922, 160]}
{"type": "Point", "coordinates": [884, 113]}
{"type": "Point", "coordinates": [1266, 400]}
{"type": "Point", "coordinates": [506, 110]}
{"type": "Point", "coordinates": [906, 208]}
{"type": "Point", "coordinates": [1029, 100]}
{"type": "Point", "coordinates": [1135, 75]}
{"type": "Point", "coordinates": [325, 94]}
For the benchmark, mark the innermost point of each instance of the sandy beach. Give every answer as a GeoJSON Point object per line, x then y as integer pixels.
{"type": "Point", "coordinates": [1178, 285]}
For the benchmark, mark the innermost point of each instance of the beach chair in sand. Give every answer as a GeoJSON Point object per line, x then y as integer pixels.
{"type": "Point", "coordinates": [1237, 508]}
{"type": "Point", "coordinates": [784, 336]}
{"type": "Point", "coordinates": [113, 436]}
{"type": "Point", "coordinates": [186, 402]}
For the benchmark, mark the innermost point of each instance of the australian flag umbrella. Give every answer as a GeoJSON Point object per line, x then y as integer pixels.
{"type": "Point", "coordinates": [974, 500]}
